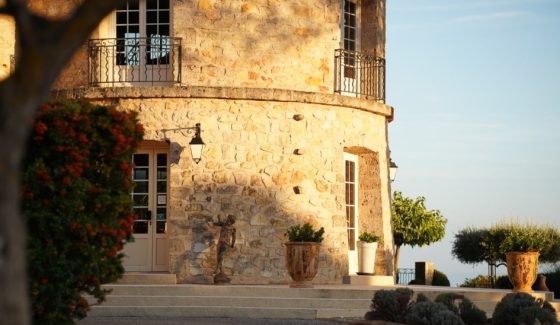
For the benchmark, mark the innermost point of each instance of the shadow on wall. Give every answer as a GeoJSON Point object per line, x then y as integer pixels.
{"type": "Point", "coordinates": [263, 217]}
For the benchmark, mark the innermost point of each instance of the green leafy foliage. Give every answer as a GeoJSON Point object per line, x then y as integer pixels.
{"type": "Point", "coordinates": [413, 224]}
{"type": "Point", "coordinates": [368, 237]}
{"type": "Point", "coordinates": [470, 314]}
{"type": "Point", "coordinates": [447, 309]}
{"type": "Point", "coordinates": [440, 279]}
{"type": "Point", "coordinates": [522, 308]}
{"type": "Point", "coordinates": [476, 245]}
{"type": "Point", "coordinates": [432, 313]}
{"type": "Point", "coordinates": [480, 281]}
{"type": "Point", "coordinates": [450, 300]}
{"type": "Point", "coordinates": [76, 199]}
{"type": "Point", "coordinates": [390, 305]}
{"type": "Point", "coordinates": [462, 306]}
{"type": "Point", "coordinates": [305, 233]}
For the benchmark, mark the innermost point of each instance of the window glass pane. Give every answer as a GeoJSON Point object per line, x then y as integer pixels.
{"type": "Point", "coordinates": [162, 159]}
{"type": "Point", "coordinates": [151, 30]}
{"type": "Point", "coordinates": [142, 213]}
{"type": "Point", "coordinates": [140, 227]}
{"type": "Point", "coordinates": [164, 17]}
{"type": "Point", "coordinates": [164, 30]}
{"type": "Point", "coordinates": [134, 17]}
{"type": "Point", "coordinates": [161, 214]}
{"type": "Point", "coordinates": [134, 29]}
{"type": "Point", "coordinates": [163, 4]}
{"type": "Point", "coordinates": [140, 199]}
{"type": "Point", "coordinates": [161, 227]}
{"type": "Point", "coordinates": [141, 160]}
{"type": "Point", "coordinates": [121, 17]}
{"type": "Point", "coordinates": [134, 5]}
{"type": "Point", "coordinates": [152, 4]}
{"type": "Point", "coordinates": [140, 173]}
{"type": "Point", "coordinates": [161, 224]}
{"type": "Point", "coordinates": [161, 173]}
{"type": "Point", "coordinates": [162, 187]}
{"type": "Point", "coordinates": [141, 187]}
{"type": "Point", "coordinates": [151, 17]}
{"type": "Point", "coordinates": [121, 30]}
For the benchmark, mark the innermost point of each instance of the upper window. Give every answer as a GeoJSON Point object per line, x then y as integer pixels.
{"type": "Point", "coordinates": [143, 26]}
{"type": "Point", "coordinates": [350, 26]}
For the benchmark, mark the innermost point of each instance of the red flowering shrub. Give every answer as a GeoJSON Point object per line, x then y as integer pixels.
{"type": "Point", "coordinates": [76, 200]}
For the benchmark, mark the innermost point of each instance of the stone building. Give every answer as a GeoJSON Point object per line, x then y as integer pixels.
{"type": "Point", "coordinates": [290, 99]}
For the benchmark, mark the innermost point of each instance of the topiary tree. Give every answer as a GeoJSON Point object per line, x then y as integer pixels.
{"type": "Point", "coordinates": [413, 224]}
{"type": "Point", "coordinates": [76, 200]}
{"type": "Point", "coordinates": [478, 245]}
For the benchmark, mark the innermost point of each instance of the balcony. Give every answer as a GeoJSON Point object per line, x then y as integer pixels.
{"type": "Point", "coordinates": [147, 61]}
{"type": "Point", "coordinates": [360, 75]}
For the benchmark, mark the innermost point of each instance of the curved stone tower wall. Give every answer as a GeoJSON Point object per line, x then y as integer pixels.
{"type": "Point", "coordinates": [247, 68]}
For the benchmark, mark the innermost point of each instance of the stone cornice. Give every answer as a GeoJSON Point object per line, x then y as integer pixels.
{"type": "Point", "coordinates": [231, 93]}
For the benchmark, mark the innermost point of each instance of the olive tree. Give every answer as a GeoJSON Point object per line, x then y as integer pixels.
{"type": "Point", "coordinates": [44, 46]}
{"type": "Point", "coordinates": [413, 224]}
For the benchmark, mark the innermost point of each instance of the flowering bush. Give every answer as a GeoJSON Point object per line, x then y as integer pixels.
{"type": "Point", "coordinates": [76, 186]}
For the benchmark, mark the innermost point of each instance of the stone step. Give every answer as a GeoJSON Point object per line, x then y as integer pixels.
{"type": "Point", "coordinates": [202, 311]}
{"type": "Point", "coordinates": [319, 291]}
{"type": "Point", "coordinates": [148, 278]}
{"type": "Point", "coordinates": [266, 301]}
{"type": "Point", "coordinates": [258, 302]}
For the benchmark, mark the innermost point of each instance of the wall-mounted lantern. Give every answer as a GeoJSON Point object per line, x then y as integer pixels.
{"type": "Point", "coordinates": [196, 143]}
{"type": "Point", "coordinates": [392, 170]}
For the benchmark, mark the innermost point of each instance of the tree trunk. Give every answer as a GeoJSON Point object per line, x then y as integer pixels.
{"type": "Point", "coordinates": [45, 46]}
{"type": "Point", "coordinates": [14, 301]}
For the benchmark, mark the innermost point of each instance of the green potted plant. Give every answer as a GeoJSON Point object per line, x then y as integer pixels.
{"type": "Point", "coordinates": [520, 246]}
{"type": "Point", "coordinates": [367, 248]}
{"type": "Point", "coordinates": [302, 254]}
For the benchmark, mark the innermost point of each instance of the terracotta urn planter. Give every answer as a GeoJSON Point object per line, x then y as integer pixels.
{"type": "Point", "coordinates": [302, 262]}
{"type": "Point", "coordinates": [522, 269]}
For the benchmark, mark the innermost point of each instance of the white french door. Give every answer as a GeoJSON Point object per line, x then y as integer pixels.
{"type": "Point", "coordinates": [149, 251]}
{"type": "Point", "coordinates": [351, 198]}
{"type": "Point", "coordinates": [350, 38]}
{"type": "Point", "coordinates": [143, 52]}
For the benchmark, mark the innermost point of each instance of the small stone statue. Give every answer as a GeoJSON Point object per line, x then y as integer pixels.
{"type": "Point", "coordinates": [227, 239]}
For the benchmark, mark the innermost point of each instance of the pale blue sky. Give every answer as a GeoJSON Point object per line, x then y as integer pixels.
{"type": "Point", "coordinates": [476, 91]}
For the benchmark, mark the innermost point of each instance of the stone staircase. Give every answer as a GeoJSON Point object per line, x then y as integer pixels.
{"type": "Point", "coordinates": [158, 295]}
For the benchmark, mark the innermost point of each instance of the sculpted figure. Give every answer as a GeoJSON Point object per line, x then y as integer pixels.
{"type": "Point", "coordinates": [227, 239]}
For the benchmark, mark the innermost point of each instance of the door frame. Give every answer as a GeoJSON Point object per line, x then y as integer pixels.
{"type": "Point", "coordinates": [150, 251]}
{"type": "Point", "coordinates": [352, 247]}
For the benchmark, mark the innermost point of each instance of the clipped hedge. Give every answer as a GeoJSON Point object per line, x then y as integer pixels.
{"type": "Point", "coordinates": [76, 199]}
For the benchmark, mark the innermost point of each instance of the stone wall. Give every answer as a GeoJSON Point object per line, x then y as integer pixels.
{"type": "Point", "coordinates": [285, 44]}
{"type": "Point", "coordinates": [250, 167]}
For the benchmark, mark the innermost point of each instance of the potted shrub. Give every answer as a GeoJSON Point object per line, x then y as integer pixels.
{"type": "Point", "coordinates": [520, 246]}
{"type": "Point", "coordinates": [367, 247]}
{"type": "Point", "coordinates": [302, 254]}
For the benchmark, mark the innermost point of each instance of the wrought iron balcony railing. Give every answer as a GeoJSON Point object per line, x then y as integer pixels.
{"type": "Point", "coordinates": [154, 60]}
{"type": "Point", "coordinates": [360, 75]}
